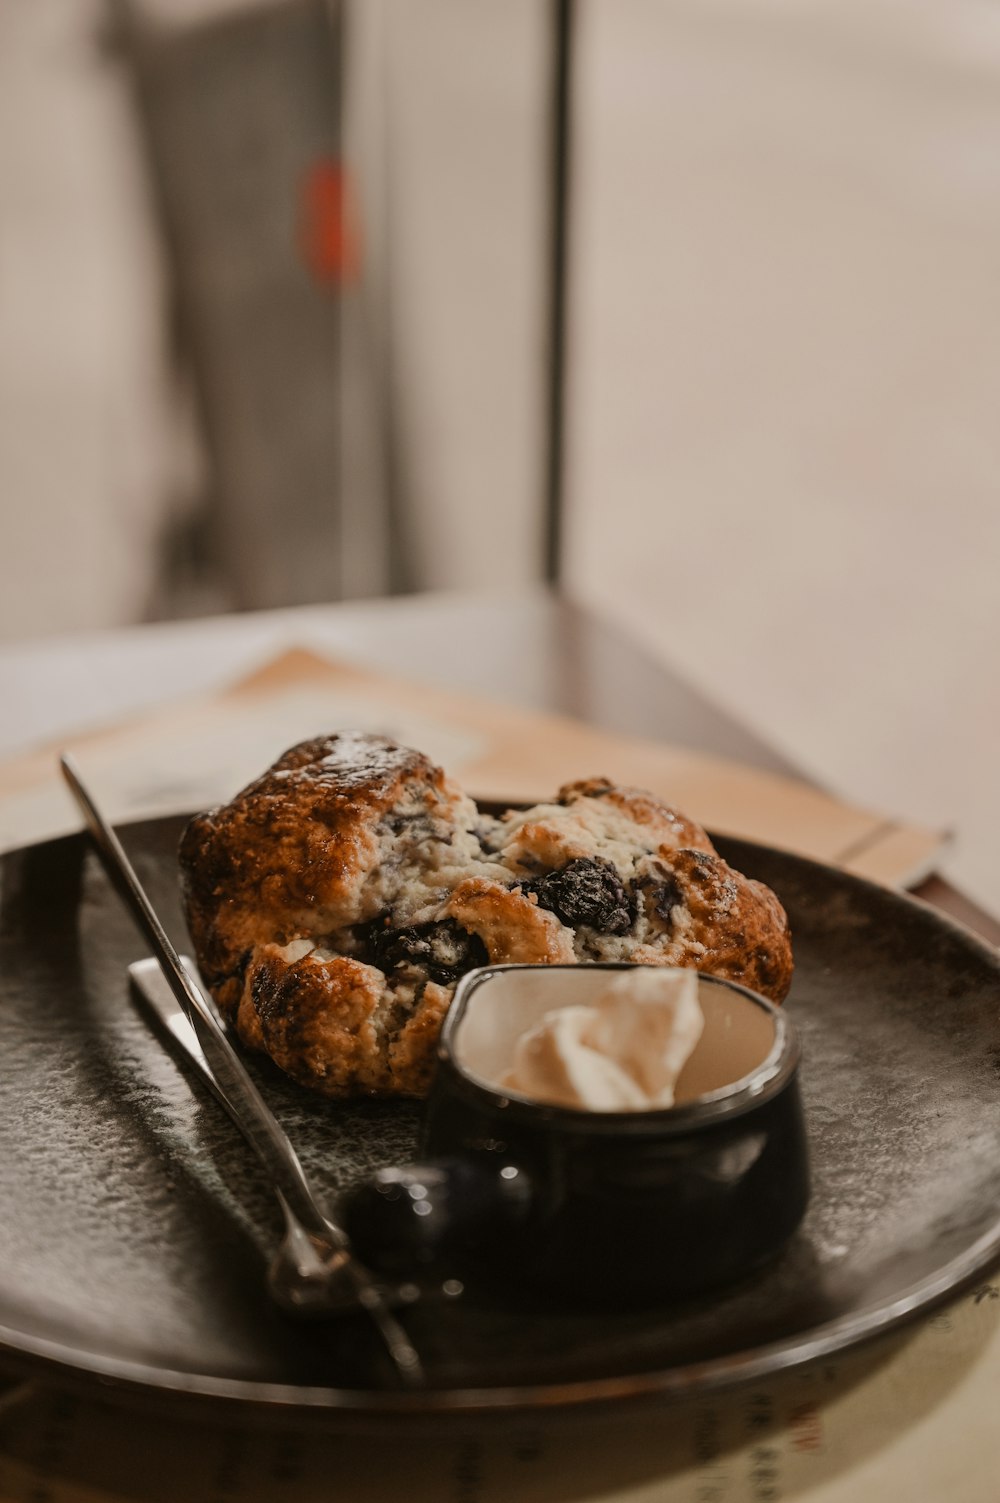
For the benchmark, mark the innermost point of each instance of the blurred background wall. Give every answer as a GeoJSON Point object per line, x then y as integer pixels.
{"type": "Point", "coordinates": [782, 443]}
{"type": "Point", "coordinates": [87, 467]}
{"type": "Point", "coordinates": [785, 451]}
{"type": "Point", "coordinates": [209, 403]}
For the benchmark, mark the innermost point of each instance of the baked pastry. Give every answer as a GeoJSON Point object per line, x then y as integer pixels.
{"type": "Point", "coordinates": [336, 901]}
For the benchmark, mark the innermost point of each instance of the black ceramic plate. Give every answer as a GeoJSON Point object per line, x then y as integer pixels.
{"type": "Point", "coordinates": [133, 1227]}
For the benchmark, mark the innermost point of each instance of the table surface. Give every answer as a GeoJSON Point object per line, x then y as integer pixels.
{"type": "Point", "coordinates": [530, 648]}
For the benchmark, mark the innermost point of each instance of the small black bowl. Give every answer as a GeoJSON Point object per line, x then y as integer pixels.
{"type": "Point", "coordinates": [612, 1207]}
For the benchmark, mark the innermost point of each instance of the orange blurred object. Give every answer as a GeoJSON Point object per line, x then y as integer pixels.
{"type": "Point", "coordinates": [328, 227]}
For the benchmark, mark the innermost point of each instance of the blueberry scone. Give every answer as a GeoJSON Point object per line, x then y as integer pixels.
{"type": "Point", "coordinates": [336, 901]}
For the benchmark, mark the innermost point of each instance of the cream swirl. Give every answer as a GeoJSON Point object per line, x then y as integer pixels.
{"type": "Point", "coordinates": [623, 1053]}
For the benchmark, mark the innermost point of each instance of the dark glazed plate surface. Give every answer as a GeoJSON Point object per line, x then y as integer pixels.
{"type": "Point", "coordinates": [134, 1229]}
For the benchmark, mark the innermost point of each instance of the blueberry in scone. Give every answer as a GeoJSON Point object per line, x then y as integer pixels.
{"type": "Point", "coordinates": [335, 902]}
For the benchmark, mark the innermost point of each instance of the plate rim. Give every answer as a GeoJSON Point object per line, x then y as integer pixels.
{"type": "Point", "coordinates": [715, 1375]}
{"type": "Point", "coordinates": [568, 1396]}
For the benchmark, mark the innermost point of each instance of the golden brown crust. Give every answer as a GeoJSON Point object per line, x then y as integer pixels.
{"type": "Point", "coordinates": [291, 853]}
{"type": "Point", "coordinates": [511, 925]}
{"type": "Point", "coordinates": [318, 1020]}
{"type": "Point", "coordinates": [671, 828]}
{"type": "Point", "coordinates": [736, 927]}
{"type": "Point", "coordinates": [334, 903]}
{"type": "Point", "coordinates": [412, 1052]}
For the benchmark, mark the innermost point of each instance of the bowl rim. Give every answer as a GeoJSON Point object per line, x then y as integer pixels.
{"type": "Point", "coordinates": [768, 1080]}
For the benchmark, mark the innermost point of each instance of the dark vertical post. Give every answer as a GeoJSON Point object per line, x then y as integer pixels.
{"type": "Point", "coordinates": [558, 229]}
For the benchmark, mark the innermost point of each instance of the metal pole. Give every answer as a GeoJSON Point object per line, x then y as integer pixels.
{"type": "Point", "coordinates": [559, 187]}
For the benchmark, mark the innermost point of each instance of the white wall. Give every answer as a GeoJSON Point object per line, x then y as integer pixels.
{"type": "Point", "coordinates": [785, 449]}
{"type": "Point", "coordinates": [85, 446]}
